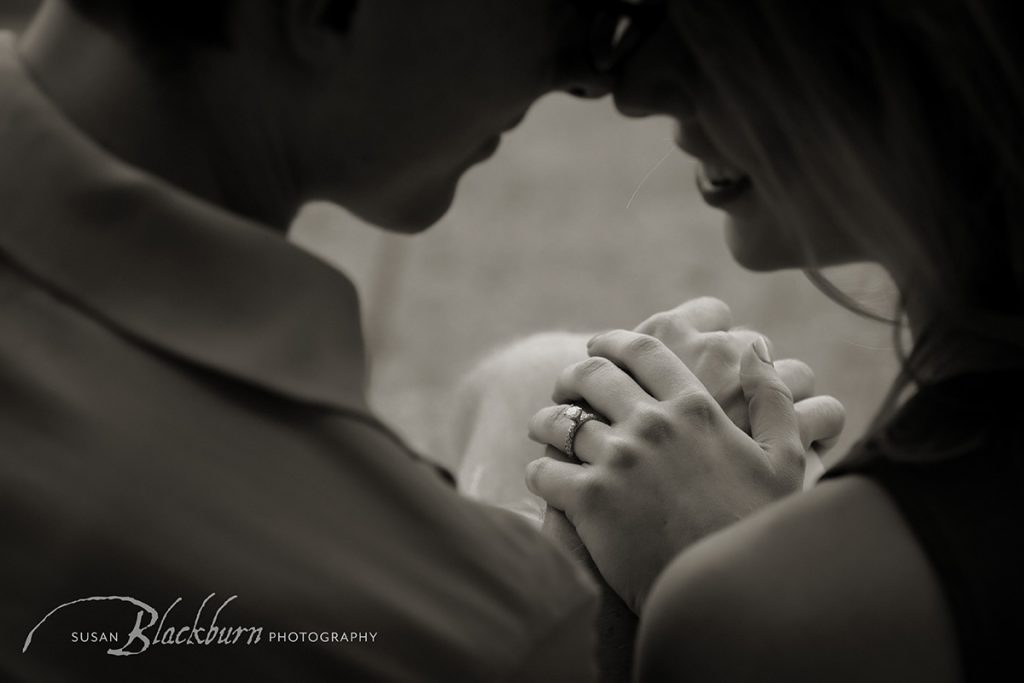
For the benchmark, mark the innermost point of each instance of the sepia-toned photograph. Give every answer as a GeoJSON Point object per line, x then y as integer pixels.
{"type": "Point", "coordinates": [511, 340]}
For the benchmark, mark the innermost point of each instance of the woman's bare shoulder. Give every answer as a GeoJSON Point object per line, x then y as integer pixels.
{"type": "Point", "coordinates": [828, 585]}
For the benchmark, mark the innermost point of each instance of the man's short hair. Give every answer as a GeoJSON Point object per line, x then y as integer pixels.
{"type": "Point", "coordinates": [163, 23]}
{"type": "Point", "coordinates": [181, 23]}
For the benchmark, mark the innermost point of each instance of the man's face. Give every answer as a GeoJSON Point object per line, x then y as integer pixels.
{"type": "Point", "coordinates": [426, 91]}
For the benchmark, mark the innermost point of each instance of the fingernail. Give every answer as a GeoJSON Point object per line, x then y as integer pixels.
{"type": "Point", "coordinates": [593, 340]}
{"type": "Point", "coordinates": [761, 349]}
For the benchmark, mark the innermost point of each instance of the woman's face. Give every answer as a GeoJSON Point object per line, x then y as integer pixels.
{"type": "Point", "coordinates": [771, 222]}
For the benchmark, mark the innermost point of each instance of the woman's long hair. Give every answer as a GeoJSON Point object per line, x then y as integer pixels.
{"type": "Point", "coordinates": [901, 124]}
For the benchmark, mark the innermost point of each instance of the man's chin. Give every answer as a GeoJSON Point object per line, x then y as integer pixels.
{"type": "Point", "coordinates": [406, 225]}
{"type": "Point", "coordinates": [411, 216]}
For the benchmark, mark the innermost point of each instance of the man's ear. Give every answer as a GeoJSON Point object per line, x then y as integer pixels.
{"type": "Point", "coordinates": [316, 29]}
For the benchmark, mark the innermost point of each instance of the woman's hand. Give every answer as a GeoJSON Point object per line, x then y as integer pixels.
{"type": "Point", "coordinates": [670, 467]}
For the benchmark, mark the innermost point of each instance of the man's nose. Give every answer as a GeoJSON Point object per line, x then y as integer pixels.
{"type": "Point", "coordinates": [575, 71]}
{"type": "Point", "coordinates": [578, 76]}
{"type": "Point", "coordinates": [590, 88]}
{"type": "Point", "coordinates": [655, 79]}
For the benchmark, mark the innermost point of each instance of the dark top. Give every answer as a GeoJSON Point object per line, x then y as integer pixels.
{"type": "Point", "coordinates": [951, 460]}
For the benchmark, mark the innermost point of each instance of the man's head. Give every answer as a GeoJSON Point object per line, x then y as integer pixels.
{"type": "Point", "coordinates": [378, 105]}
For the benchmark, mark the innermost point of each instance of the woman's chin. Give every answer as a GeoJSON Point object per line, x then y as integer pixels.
{"type": "Point", "coordinates": [760, 248]}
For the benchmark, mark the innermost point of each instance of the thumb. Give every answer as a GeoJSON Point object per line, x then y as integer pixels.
{"type": "Point", "coordinates": [773, 422]}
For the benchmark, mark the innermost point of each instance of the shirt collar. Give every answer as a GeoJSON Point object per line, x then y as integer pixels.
{"type": "Point", "coordinates": [166, 268]}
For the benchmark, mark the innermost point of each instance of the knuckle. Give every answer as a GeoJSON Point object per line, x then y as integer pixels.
{"type": "Point", "coordinates": [776, 392]}
{"type": "Point", "coordinates": [720, 347]}
{"type": "Point", "coordinates": [623, 459]}
{"type": "Point", "coordinates": [612, 337]}
{"type": "Point", "coordinates": [714, 305]}
{"type": "Point", "coordinates": [737, 410]}
{"type": "Point", "coordinates": [697, 409]}
{"type": "Point", "coordinates": [657, 325]}
{"type": "Point", "coordinates": [593, 493]}
{"type": "Point", "coordinates": [551, 419]}
{"type": "Point", "coordinates": [743, 337]}
{"type": "Point", "coordinates": [721, 305]}
{"type": "Point", "coordinates": [642, 345]}
{"type": "Point", "coordinates": [620, 449]}
{"type": "Point", "coordinates": [590, 367]}
{"type": "Point", "coordinates": [652, 425]}
{"type": "Point", "coordinates": [716, 338]}
{"type": "Point", "coordinates": [535, 472]}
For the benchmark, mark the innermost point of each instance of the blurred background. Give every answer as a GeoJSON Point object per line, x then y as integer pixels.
{"type": "Point", "coordinates": [583, 221]}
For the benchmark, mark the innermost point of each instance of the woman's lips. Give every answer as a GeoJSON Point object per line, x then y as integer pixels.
{"type": "Point", "coordinates": [720, 184]}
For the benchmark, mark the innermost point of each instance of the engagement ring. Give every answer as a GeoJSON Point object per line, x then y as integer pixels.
{"type": "Point", "coordinates": [577, 417]}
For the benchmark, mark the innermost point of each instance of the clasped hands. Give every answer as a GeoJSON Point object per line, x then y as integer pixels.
{"type": "Point", "coordinates": [702, 430]}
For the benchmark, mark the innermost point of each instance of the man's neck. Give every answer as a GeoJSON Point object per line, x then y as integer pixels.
{"type": "Point", "coordinates": [199, 137]}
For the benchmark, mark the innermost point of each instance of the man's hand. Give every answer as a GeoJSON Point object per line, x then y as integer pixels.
{"type": "Point", "coordinates": [616, 623]}
{"type": "Point", "coordinates": [701, 333]}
